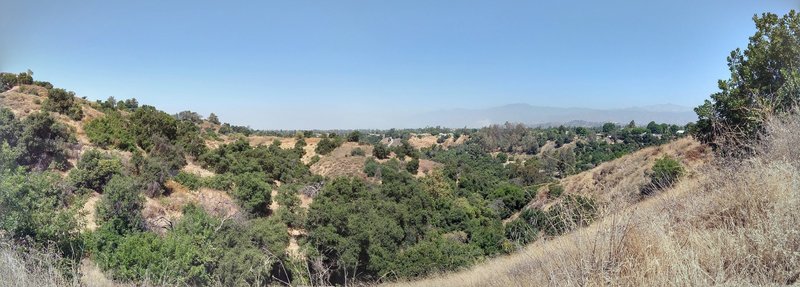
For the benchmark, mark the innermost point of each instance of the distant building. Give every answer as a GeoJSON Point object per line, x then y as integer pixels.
{"type": "Point", "coordinates": [680, 132]}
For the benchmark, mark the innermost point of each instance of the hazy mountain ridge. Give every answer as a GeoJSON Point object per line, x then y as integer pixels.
{"type": "Point", "coordinates": [547, 116]}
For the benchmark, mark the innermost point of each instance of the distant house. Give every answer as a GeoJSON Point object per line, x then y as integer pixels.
{"type": "Point", "coordinates": [680, 132]}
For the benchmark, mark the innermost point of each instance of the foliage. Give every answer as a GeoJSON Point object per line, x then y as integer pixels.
{"type": "Point", "coordinates": [271, 161]}
{"type": "Point", "coordinates": [121, 205]}
{"type": "Point", "coordinates": [163, 163]}
{"type": "Point", "coordinates": [94, 170]}
{"type": "Point", "coordinates": [380, 151]}
{"type": "Point", "coordinates": [290, 211]}
{"type": "Point", "coordinates": [252, 192]}
{"type": "Point", "coordinates": [357, 152]}
{"type": "Point", "coordinates": [9, 80]}
{"type": "Point", "coordinates": [327, 145]}
{"type": "Point", "coordinates": [412, 166]}
{"type": "Point", "coordinates": [555, 190]}
{"type": "Point", "coordinates": [43, 141]}
{"type": "Point", "coordinates": [34, 209]}
{"type": "Point", "coordinates": [63, 102]}
{"type": "Point", "coordinates": [664, 173]}
{"type": "Point", "coordinates": [111, 130]}
{"type": "Point", "coordinates": [764, 80]}
{"type": "Point", "coordinates": [508, 198]}
{"type": "Point", "coordinates": [189, 180]}
{"type": "Point", "coordinates": [354, 136]}
{"type": "Point", "coordinates": [200, 250]}
{"type": "Point", "coordinates": [212, 118]}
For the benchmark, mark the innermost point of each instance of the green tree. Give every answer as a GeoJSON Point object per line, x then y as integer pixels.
{"type": "Point", "coordinates": [354, 136]}
{"type": "Point", "coordinates": [326, 146]}
{"type": "Point", "coordinates": [63, 102]}
{"type": "Point", "coordinates": [44, 141]}
{"type": "Point", "coordinates": [33, 209]}
{"type": "Point", "coordinates": [380, 151]}
{"type": "Point", "coordinates": [212, 118]}
{"type": "Point", "coordinates": [609, 128]}
{"type": "Point", "coordinates": [121, 205]}
{"type": "Point", "coordinates": [94, 170]}
{"type": "Point", "coordinates": [253, 193]}
{"type": "Point", "coordinates": [412, 166]}
{"type": "Point", "coordinates": [765, 80]}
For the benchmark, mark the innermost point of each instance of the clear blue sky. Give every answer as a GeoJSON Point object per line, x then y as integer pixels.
{"type": "Point", "coordinates": [328, 64]}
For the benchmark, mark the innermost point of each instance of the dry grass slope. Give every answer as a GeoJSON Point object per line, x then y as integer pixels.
{"type": "Point", "coordinates": [736, 223]}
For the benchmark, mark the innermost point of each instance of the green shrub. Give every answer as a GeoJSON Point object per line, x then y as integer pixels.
{"type": "Point", "coordinates": [327, 145]}
{"type": "Point", "coordinates": [412, 166]}
{"type": "Point", "coordinates": [121, 205]}
{"type": "Point", "coordinates": [199, 250]}
{"type": "Point", "coordinates": [253, 193]}
{"type": "Point", "coordinates": [354, 136]}
{"type": "Point", "coordinates": [290, 211]}
{"type": "Point", "coordinates": [357, 152]}
{"type": "Point", "coordinates": [111, 130]}
{"type": "Point", "coordinates": [380, 151]}
{"type": "Point", "coordinates": [94, 170]}
{"type": "Point", "coordinates": [44, 142]}
{"type": "Point", "coordinates": [63, 102]}
{"type": "Point", "coordinates": [555, 190]}
{"type": "Point", "coordinates": [189, 180]}
{"type": "Point", "coordinates": [664, 173]}
{"type": "Point", "coordinates": [371, 167]}
{"type": "Point", "coordinates": [33, 210]}
{"type": "Point", "coordinates": [520, 232]}
{"type": "Point", "coordinates": [218, 182]}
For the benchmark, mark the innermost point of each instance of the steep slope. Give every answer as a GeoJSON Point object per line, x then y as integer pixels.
{"type": "Point", "coordinates": [731, 223]}
{"type": "Point", "coordinates": [617, 182]}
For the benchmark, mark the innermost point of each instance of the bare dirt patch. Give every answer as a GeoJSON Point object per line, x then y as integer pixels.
{"type": "Point", "coordinates": [21, 104]}
{"type": "Point", "coordinates": [161, 213]}
{"type": "Point", "coordinates": [426, 166]}
{"type": "Point", "coordinates": [340, 162]}
{"type": "Point", "coordinates": [194, 168]}
{"type": "Point", "coordinates": [89, 211]}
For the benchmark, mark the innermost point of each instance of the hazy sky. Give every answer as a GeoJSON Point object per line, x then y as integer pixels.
{"type": "Point", "coordinates": [329, 64]}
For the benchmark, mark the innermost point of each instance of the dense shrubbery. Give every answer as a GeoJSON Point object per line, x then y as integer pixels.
{"type": "Point", "coordinates": [63, 102]}
{"type": "Point", "coordinates": [327, 145]}
{"type": "Point", "coordinates": [94, 170]}
{"type": "Point", "coordinates": [111, 130]}
{"type": "Point", "coordinates": [200, 250]}
{"type": "Point", "coordinates": [290, 211]}
{"type": "Point", "coordinates": [35, 210]}
{"type": "Point", "coordinates": [38, 141]}
{"type": "Point", "coordinates": [121, 205]}
{"type": "Point", "coordinates": [271, 161]}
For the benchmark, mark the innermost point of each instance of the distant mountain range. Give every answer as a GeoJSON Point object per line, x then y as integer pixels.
{"type": "Point", "coordinates": [551, 116]}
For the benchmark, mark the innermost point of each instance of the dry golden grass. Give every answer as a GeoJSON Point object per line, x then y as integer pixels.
{"type": "Point", "coordinates": [194, 168]}
{"type": "Point", "coordinates": [160, 212]}
{"type": "Point", "coordinates": [426, 166]}
{"type": "Point", "coordinates": [340, 163]}
{"type": "Point", "coordinates": [89, 211]}
{"type": "Point", "coordinates": [21, 104]}
{"type": "Point", "coordinates": [733, 223]}
{"type": "Point", "coordinates": [19, 268]}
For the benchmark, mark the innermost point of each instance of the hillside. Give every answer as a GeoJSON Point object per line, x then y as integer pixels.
{"type": "Point", "coordinates": [116, 177]}
{"type": "Point", "coordinates": [728, 223]}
